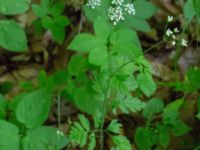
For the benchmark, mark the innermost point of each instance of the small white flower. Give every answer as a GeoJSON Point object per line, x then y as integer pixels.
{"type": "Point", "coordinates": [176, 30]}
{"type": "Point", "coordinates": [174, 36]}
{"type": "Point", "coordinates": [170, 18]}
{"type": "Point", "coordinates": [169, 32]}
{"type": "Point", "coordinates": [129, 8]}
{"type": "Point", "coordinates": [117, 2]}
{"type": "Point", "coordinates": [115, 14]}
{"type": "Point", "coordinates": [93, 3]}
{"type": "Point", "coordinates": [184, 42]}
{"type": "Point", "coordinates": [173, 43]}
{"type": "Point", "coordinates": [60, 133]}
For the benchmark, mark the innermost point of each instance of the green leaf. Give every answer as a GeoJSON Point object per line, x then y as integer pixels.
{"type": "Point", "coordinates": [44, 138]}
{"type": "Point", "coordinates": [164, 136]}
{"type": "Point", "coordinates": [79, 132]}
{"type": "Point", "coordinates": [153, 107]}
{"type": "Point", "coordinates": [84, 42]}
{"type": "Point", "coordinates": [58, 33]}
{"type": "Point", "coordinates": [126, 104]}
{"type": "Point", "coordinates": [43, 9]}
{"type": "Point", "coordinates": [102, 29]}
{"type": "Point", "coordinates": [179, 128]}
{"type": "Point", "coordinates": [98, 56]}
{"type": "Point", "coordinates": [146, 84]}
{"type": "Point", "coordinates": [84, 122]}
{"type": "Point", "coordinates": [13, 7]}
{"type": "Point", "coordinates": [114, 126]}
{"type": "Point", "coordinates": [83, 96]}
{"type": "Point", "coordinates": [123, 37]}
{"type": "Point", "coordinates": [12, 36]}
{"type": "Point", "coordinates": [77, 64]}
{"type": "Point", "coordinates": [175, 105]}
{"type": "Point", "coordinates": [57, 9]}
{"type": "Point", "coordinates": [92, 142]}
{"type": "Point", "coordinates": [138, 24]}
{"type": "Point", "coordinates": [9, 138]}
{"type": "Point", "coordinates": [193, 75]}
{"type": "Point", "coordinates": [143, 139]}
{"type": "Point", "coordinates": [196, 4]}
{"type": "Point", "coordinates": [3, 107]}
{"type": "Point", "coordinates": [188, 10]}
{"type": "Point", "coordinates": [33, 109]}
{"type": "Point", "coordinates": [121, 142]}
{"type": "Point", "coordinates": [140, 6]}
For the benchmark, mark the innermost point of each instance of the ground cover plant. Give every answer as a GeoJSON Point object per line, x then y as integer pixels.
{"type": "Point", "coordinates": [99, 75]}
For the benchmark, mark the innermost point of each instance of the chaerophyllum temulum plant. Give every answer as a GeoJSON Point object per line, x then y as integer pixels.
{"type": "Point", "coordinates": [109, 75]}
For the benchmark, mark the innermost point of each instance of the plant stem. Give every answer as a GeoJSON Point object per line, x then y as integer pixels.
{"type": "Point", "coordinates": [58, 110]}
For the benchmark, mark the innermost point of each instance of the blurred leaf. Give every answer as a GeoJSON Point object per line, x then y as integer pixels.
{"type": "Point", "coordinates": [121, 142]}
{"type": "Point", "coordinates": [44, 138]}
{"type": "Point", "coordinates": [33, 109]}
{"type": "Point", "coordinates": [12, 36]}
{"type": "Point", "coordinates": [153, 107]}
{"type": "Point", "coordinates": [13, 7]}
{"type": "Point", "coordinates": [9, 136]}
{"type": "Point", "coordinates": [114, 126]}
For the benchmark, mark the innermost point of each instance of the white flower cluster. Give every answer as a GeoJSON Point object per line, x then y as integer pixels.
{"type": "Point", "coordinates": [115, 12]}
{"type": "Point", "coordinates": [171, 35]}
{"type": "Point", "coordinates": [93, 3]}
{"type": "Point", "coordinates": [117, 2]}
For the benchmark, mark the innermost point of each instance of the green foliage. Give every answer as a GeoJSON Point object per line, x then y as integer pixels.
{"type": "Point", "coordinates": [9, 136]}
{"type": "Point", "coordinates": [33, 109]}
{"type": "Point", "coordinates": [159, 134]}
{"type": "Point", "coordinates": [126, 104]}
{"type": "Point", "coordinates": [153, 107]}
{"type": "Point", "coordinates": [44, 138]}
{"type": "Point", "coordinates": [198, 106]}
{"type": "Point", "coordinates": [114, 126]}
{"type": "Point", "coordinates": [196, 5]}
{"type": "Point", "coordinates": [12, 7]}
{"type": "Point", "coordinates": [51, 18]}
{"type": "Point", "coordinates": [3, 107]}
{"type": "Point", "coordinates": [121, 142]}
{"type": "Point", "coordinates": [12, 36]}
{"type": "Point", "coordinates": [79, 132]}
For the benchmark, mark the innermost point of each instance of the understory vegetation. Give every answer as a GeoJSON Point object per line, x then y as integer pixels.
{"type": "Point", "coordinates": [99, 75]}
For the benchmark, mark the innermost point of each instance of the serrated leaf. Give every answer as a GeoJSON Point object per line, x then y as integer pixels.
{"type": "Point", "coordinates": [121, 142]}
{"type": "Point", "coordinates": [12, 36]}
{"type": "Point", "coordinates": [9, 136]}
{"type": "Point", "coordinates": [13, 7]}
{"type": "Point", "coordinates": [114, 126]}
{"type": "Point", "coordinates": [44, 138]}
{"type": "Point", "coordinates": [126, 104]}
{"type": "Point", "coordinates": [78, 134]}
{"type": "Point", "coordinates": [92, 143]}
{"type": "Point", "coordinates": [84, 122]}
{"type": "Point", "coordinates": [33, 109]}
